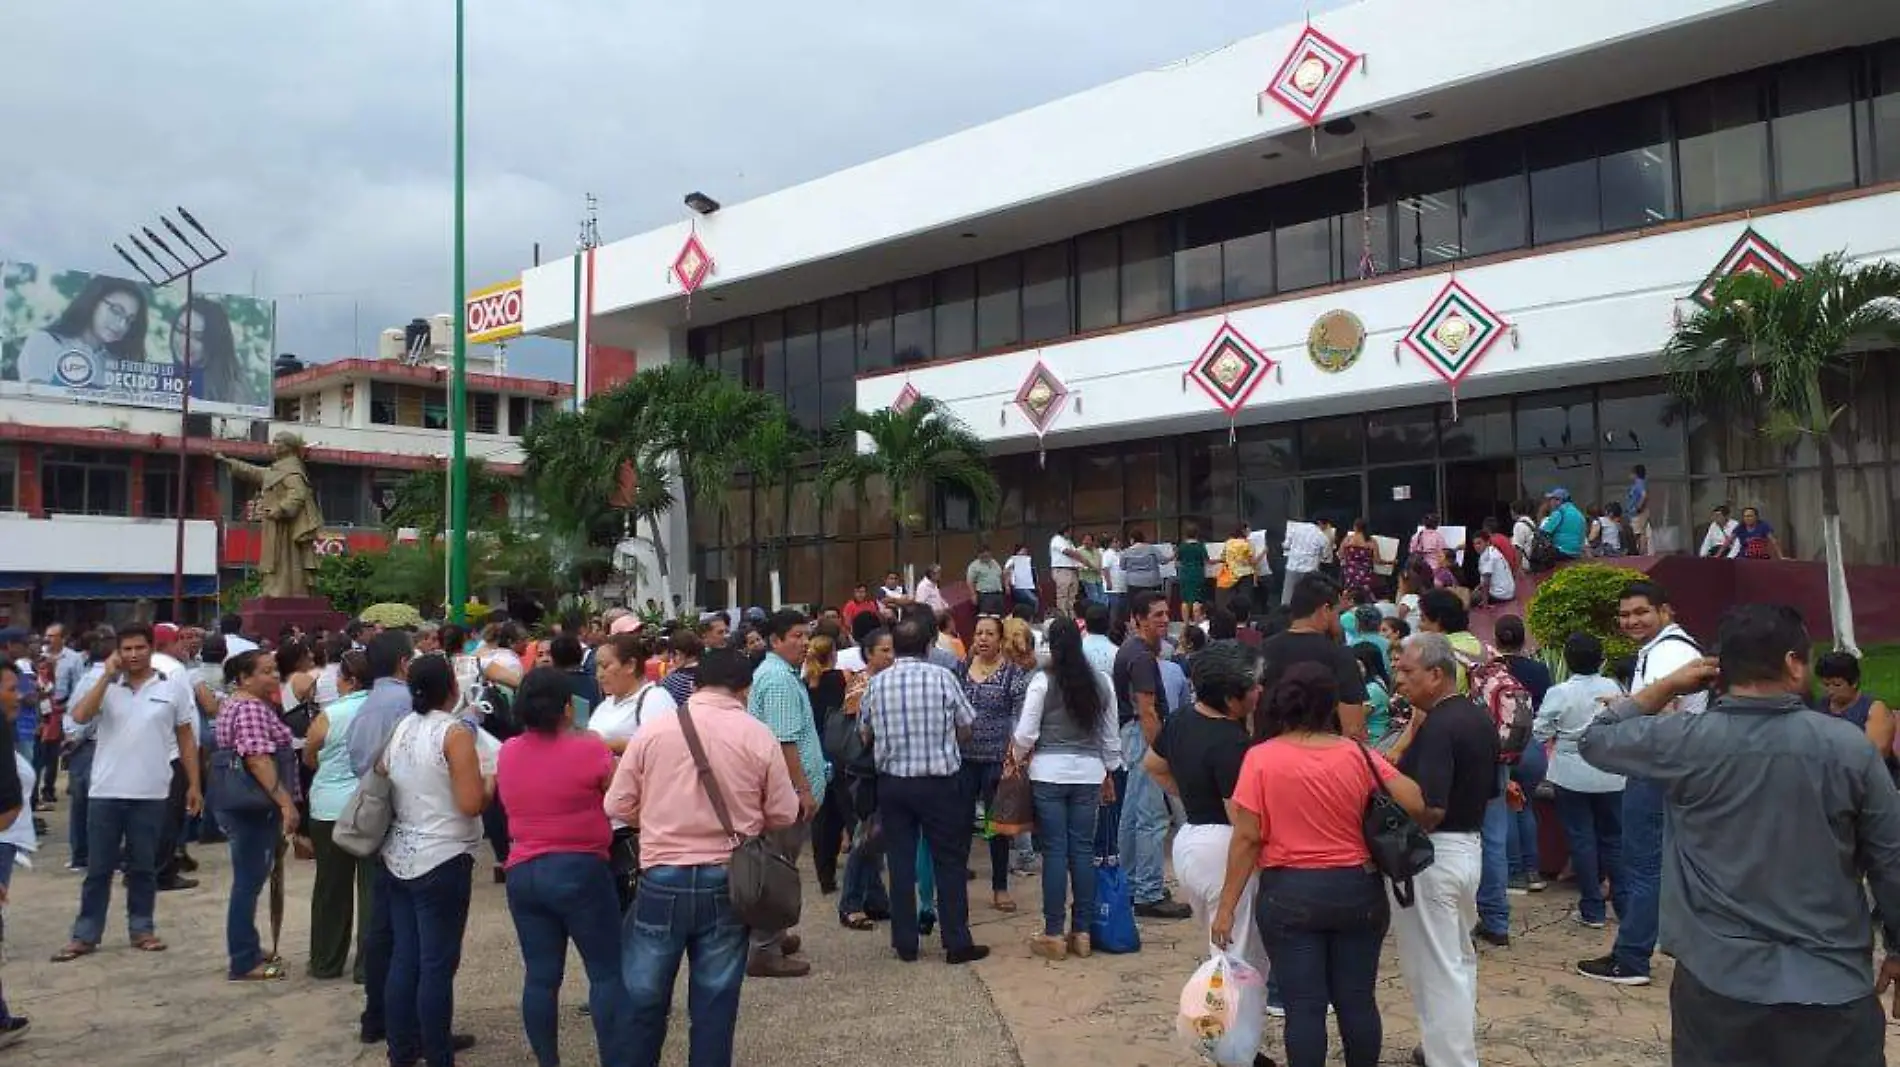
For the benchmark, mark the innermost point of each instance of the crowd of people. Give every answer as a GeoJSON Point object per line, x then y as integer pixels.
{"type": "Point", "coordinates": [611, 766]}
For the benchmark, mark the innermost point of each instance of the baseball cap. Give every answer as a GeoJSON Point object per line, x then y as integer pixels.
{"type": "Point", "coordinates": [11, 634]}
{"type": "Point", "coordinates": [625, 624]}
{"type": "Point", "coordinates": [1559, 493]}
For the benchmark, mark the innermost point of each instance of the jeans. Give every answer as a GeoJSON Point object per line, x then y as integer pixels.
{"type": "Point", "coordinates": [1436, 956]}
{"type": "Point", "coordinates": [1494, 907]}
{"type": "Point", "coordinates": [979, 778]}
{"type": "Point", "coordinates": [379, 943]}
{"type": "Point", "coordinates": [1322, 929]}
{"type": "Point", "coordinates": [120, 827]}
{"type": "Point", "coordinates": [1528, 772]}
{"type": "Point", "coordinates": [46, 770]}
{"type": "Point", "coordinates": [1642, 869]}
{"type": "Point", "coordinates": [863, 887]}
{"type": "Point", "coordinates": [1065, 828]}
{"type": "Point", "coordinates": [1028, 598]}
{"type": "Point", "coordinates": [427, 915]}
{"type": "Point", "coordinates": [339, 904]}
{"type": "Point", "coordinates": [554, 899]}
{"type": "Point", "coordinates": [683, 911]}
{"type": "Point", "coordinates": [254, 836]}
{"type": "Point", "coordinates": [1144, 822]}
{"type": "Point", "coordinates": [1094, 593]}
{"type": "Point", "coordinates": [1593, 824]}
{"type": "Point", "coordinates": [78, 788]}
{"type": "Point", "coordinates": [931, 810]}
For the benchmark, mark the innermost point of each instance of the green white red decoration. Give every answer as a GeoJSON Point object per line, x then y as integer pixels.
{"type": "Point", "coordinates": [1750, 254]}
{"type": "Point", "coordinates": [1041, 398]}
{"type": "Point", "coordinates": [691, 267]}
{"type": "Point", "coordinates": [1229, 369]}
{"type": "Point", "coordinates": [1312, 75]}
{"type": "Point", "coordinates": [1454, 334]}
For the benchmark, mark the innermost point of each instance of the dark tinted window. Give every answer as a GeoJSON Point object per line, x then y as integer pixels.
{"type": "Point", "coordinates": [1884, 110]}
{"type": "Point", "coordinates": [1563, 165]}
{"type": "Point", "coordinates": [768, 339]}
{"type": "Point", "coordinates": [1549, 422]}
{"type": "Point", "coordinates": [1247, 267]}
{"type": "Point", "coordinates": [912, 337]}
{"type": "Point", "coordinates": [1814, 126]}
{"type": "Point", "coordinates": [1493, 199]}
{"type": "Point", "coordinates": [1098, 280]}
{"type": "Point", "coordinates": [801, 365]}
{"type": "Point", "coordinates": [1338, 442]}
{"type": "Point", "coordinates": [1305, 248]}
{"type": "Point", "coordinates": [1046, 292]}
{"type": "Point", "coordinates": [1483, 428]}
{"type": "Point", "coordinates": [1147, 270]}
{"type": "Point", "coordinates": [956, 312]}
{"type": "Point", "coordinates": [1400, 436]}
{"type": "Point", "coordinates": [999, 307]}
{"type": "Point", "coordinates": [1428, 207]}
{"type": "Point", "coordinates": [735, 338]}
{"type": "Point", "coordinates": [874, 329]}
{"type": "Point", "coordinates": [837, 345]}
{"type": "Point", "coordinates": [1197, 277]}
{"type": "Point", "coordinates": [1634, 165]}
{"type": "Point", "coordinates": [1723, 144]}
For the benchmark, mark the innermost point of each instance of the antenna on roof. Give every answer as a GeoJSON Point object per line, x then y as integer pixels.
{"type": "Point", "coordinates": [590, 225]}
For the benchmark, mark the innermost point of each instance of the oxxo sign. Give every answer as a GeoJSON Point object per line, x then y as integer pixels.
{"type": "Point", "coordinates": [494, 313]}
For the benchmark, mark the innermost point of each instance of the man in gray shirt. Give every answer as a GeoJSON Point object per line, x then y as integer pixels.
{"type": "Point", "coordinates": [1776, 815]}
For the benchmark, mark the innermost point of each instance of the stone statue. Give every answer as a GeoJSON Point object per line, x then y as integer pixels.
{"type": "Point", "coordinates": [292, 520]}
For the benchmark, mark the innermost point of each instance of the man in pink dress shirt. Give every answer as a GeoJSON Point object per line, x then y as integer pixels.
{"type": "Point", "coordinates": [682, 905]}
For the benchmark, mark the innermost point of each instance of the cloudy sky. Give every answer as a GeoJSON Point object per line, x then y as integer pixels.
{"type": "Point", "coordinates": [315, 138]}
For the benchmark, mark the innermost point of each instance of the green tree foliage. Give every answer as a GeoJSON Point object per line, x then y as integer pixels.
{"type": "Point", "coordinates": [348, 582]}
{"type": "Point", "coordinates": [421, 500]}
{"type": "Point", "coordinates": [919, 449]}
{"type": "Point", "coordinates": [1581, 599]}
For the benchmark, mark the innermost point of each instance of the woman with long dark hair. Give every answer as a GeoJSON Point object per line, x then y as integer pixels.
{"type": "Point", "coordinates": [1068, 735]}
{"type": "Point", "coordinates": [215, 374]}
{"type": "Point", "coordinates": [554, 779]}
{"type": "Point", "coordinates": [104, 324]}
{"type": "Point", "coordinates": [438, 790]}
{"type": "Point", "coordinates": [1299, 843]}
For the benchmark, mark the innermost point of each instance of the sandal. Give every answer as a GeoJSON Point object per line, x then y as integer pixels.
{"type": "Point", "coordinates": [148, 943]}
{"type": "Point", "coordinates": [1002, 902]}
{"type": "Point", "coordinates": [265, 972]}
{"type": "Point", "coordinates": [857, 920]}
{"type": "Point", "coordinates": [74, 950]}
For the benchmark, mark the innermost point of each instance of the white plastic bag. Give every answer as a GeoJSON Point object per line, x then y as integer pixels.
{"type": "Point", "coordinates": [1224, 1011]}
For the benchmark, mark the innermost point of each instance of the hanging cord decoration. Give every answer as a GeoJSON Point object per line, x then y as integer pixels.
{"type": "Point", "coordinates": [692, 266]}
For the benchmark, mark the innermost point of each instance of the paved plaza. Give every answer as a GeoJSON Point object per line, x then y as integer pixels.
{"type": "Point", "coordinates": [860, 1006]}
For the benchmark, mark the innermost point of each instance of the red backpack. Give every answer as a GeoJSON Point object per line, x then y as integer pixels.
{"type": "Point", "coordinates": [1499, 692]}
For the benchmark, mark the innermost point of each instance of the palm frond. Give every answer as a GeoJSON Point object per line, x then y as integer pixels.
{"type": "Point", "coordinates": [925, 446]}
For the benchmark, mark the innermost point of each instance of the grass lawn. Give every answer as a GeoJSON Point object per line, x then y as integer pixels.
{"type": "Point", "coordinates": [1879, 670]}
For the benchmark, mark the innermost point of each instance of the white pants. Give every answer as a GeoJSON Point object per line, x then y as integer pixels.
{"type": "Point", "coordinates": [1435, 951]}
{"type": "Point", "coordinates": [1200, 866]}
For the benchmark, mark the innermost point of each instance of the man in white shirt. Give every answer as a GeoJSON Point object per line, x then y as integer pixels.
{"type": "Point", "coordinates": [1496, 583]}
{"type": "Point", "coordinates": [1720, 541]}
{"type": "Point", "coordinates": [1523, 533]}
{"type": "Point", "coordinates": [234, 641]}
{"type": "Point", "coordinates": [1646, 618]}
{"type": "Point", "coordinates": [1065, 565]}
{"type": "Point", "coordinates": [1021, 571]}
{"type": "Point", "coordinates": [1306, 545]}
{"type": "Point", "coordinates": [141, 717]}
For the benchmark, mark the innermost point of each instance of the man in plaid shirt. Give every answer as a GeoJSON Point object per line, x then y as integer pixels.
{"type": "Point", "coordinates": [780, 700]}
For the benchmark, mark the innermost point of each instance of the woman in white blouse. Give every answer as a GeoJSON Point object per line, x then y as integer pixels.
{"type": "Point", "coordinates": [1589, 801]}
{"type": "Point", "coordinates": [1067, 732]}
{"type": "Point", "coordinates": [439, 792]}
{"type": "Point", "coordinates": [627, 699]}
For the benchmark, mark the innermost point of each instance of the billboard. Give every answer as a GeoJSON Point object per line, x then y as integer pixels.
{"type": "Point", "coordinates": [494, 313]}
{"type": "Point", "coordinates": [104, 340]}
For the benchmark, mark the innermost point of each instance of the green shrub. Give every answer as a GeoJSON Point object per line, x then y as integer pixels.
{"type": "Point", "coordinates": [1581, 599]}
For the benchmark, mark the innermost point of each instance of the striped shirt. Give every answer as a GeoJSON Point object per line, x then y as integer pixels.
{"type": "Point", "coordinates": [780, 700]}
{"type": "Point", "coordinates": [912, 712]}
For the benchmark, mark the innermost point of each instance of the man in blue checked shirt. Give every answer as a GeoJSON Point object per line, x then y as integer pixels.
{"type": "Point", "coordinates": [916, 716]}
{"type": "Point", "coordinates": [780, 700]}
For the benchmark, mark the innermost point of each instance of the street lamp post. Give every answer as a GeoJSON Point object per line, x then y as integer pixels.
{"type": "Point", "coordinates": [457, 533]}
{"type": "Point", "coordinates": [185, 262]}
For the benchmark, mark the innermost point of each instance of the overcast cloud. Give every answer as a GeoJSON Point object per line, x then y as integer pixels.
{"type": "Point", "coordinates": [314, 137]}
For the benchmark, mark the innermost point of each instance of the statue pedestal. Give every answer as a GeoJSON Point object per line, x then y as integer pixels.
{"type": "Point", "coordinates": [266, 616]}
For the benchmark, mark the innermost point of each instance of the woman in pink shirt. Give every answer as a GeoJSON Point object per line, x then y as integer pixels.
{"type": "Point", "coordinates": [1320, 907]}
{"type": "Point", "coordinates": [553, 779]}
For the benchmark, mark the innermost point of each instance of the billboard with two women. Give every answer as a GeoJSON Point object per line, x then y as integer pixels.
{"type": "Point", "coordinates": [98, 339]}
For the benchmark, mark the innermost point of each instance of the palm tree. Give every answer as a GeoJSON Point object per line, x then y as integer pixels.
{"type": "Point", "coordinates": [1771, 351]}
{"type": "Point", "coordinates": [921, 448]}
{"type": "Point", "coordinates": [420, 500]}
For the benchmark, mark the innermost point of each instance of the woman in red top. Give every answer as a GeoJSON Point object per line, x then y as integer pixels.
{"type": "Point", "coordinates": [553, 779]}
{"type": "Point", "coordinates": [1320, 907]}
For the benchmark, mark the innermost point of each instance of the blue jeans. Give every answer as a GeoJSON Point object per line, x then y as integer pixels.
{"type": "Point", "coordinates": [115, 828]}
{"type": "Point", "coordinates": [1593, 824]}
{"type": "Point", "coordinates": [863, 886]}
{"type": "Point", "coordinates": [683, 911]}
{"type": "Point", "coordinates": [1144, 822]}
{"type": "Point", "coordinates": [1494, 907]}
{"type": "Point", "coordinates": [1527, 772]}
{"type": "Point", "coordinates": [554, 899]}
{"type": "Point", "coordinates": [79, 789]}
{"type": "Point", "coordinates": [254, 836]}
{"type": "Point", "coordinates": [1065, 828]}
{"type": "Point", "coordinates": [1642, 869]}
{"type": "Point", "coordinates": [1322, 929]}
{"type": "Point", "coordinates": [427, 916]}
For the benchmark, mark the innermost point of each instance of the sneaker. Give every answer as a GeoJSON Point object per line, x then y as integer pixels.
{"type": "Point", "coordinates": [1536, 884]}
{"type": "Point", "coordinates": [1276, 1010]}
{"type": "Point", "coordinates": [1163, 909]}
{"type": "Point", "coordinates": [1048, 947]}
{"type": "Point", "coordinates": [1479, 933]}
{"type": "Point", "coordinates": [1517, 885]}
{"type": "Point", "coordinates": [1593, 924]}
{"type": "Point", "coordinates": [13, 1030]}
{"type": "Point", "coordinates": [75, 868]}
{"type": "Point", "coordinates": [1606, 969]}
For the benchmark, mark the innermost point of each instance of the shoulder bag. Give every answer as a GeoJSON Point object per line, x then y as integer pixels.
{"type": "Point", "coordinates": [366, 817]}
{"type": "Point", "coordinates": [761, 881]}
{"type": "Point", "coordinates": [232, 786]}
{"type": "Point", "coordinates": [1399, 848]}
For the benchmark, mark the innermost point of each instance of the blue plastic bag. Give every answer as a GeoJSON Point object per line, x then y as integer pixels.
{"type": "Point", "coordinates": [1112, 929]}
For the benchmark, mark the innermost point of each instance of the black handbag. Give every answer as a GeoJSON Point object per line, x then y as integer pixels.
{"type": "Point", "coordinates": [1399, 848]}
{"type": "Point", "coordinates": [233, 787]}
{"type": "Point", "coordinates": [623, 857]}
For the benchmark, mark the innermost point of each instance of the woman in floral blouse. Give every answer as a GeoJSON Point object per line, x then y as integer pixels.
{"type": "Point", "coordinates": [249, 727]}
{"type": "Point", "coordinates": [995, 687]}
